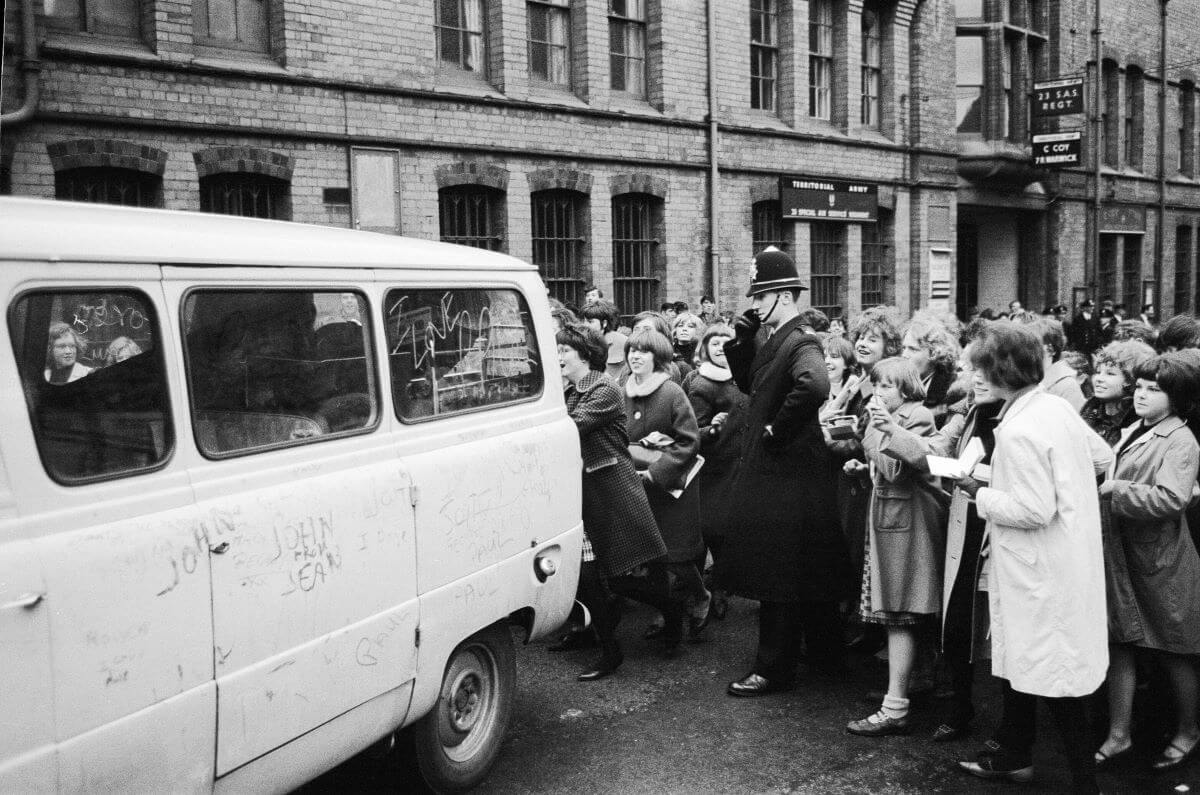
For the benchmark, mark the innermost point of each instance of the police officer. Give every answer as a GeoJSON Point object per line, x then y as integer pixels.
{"type": "Point", "coordinates": [785, 547]}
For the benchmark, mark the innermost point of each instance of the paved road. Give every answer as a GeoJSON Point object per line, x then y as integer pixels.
{"type": "Point", "coordinates": [663, 726]}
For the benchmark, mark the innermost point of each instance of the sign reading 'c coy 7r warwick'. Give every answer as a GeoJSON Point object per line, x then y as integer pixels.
{"type": "Point", "coordinates": [820, 199]}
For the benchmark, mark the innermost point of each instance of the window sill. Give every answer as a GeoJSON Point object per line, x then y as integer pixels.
{"type": "Point", "coordinates": [58, 43]}
{"type": "Point", "coordinates": [621, 102]}
{"type": "Point", "coordinates": [238, 61]}
{"type": "Point", "coordinates": [871, 134]}
{"type": "Point", "coordinates": [460, 81]}
{"type": "Point", "coordinates": [554, 95]}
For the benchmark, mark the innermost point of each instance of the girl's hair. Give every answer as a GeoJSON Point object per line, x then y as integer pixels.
{"type": "Point", "coordinates": [565, 317]}
{"type": "Point", "coordinates": [118, 346]}
{"type": "Point", "coordinates": [587, 342]}
{"type": "Point", "coordinates": [903, 374]}
{"type": "Point", "coordinates": [1178, 375]}
{"type": "Point", "coordinates": [839, 346]}
{"type": "Point", "coordinates": [654, 343]}
{"type": "Point", "coordinates": [1078, 362]}
{"type": "Point", "coordinates": [884, 321]}
{"type": "Point", "coordinates": [932, 335]}
{"type": "Point", "coordinates": [1009, 354]}
{"type": "Point", "coordinates": [1134, 330]}
{"type": "Point", "coordinates": [660, 322]}
{"type": "Point", "coordinates": [59, 330]}
{"type": "Point", "coordinates": [715, 330]}
{"type": "Point", "coordinates": [1179, 332]}
{"type": "Point", "coordinates": [1126, 356]}
{"type": "Point", "coordinates": [605, 312]}
{"type": "Point", "coordinates": [692, 320]}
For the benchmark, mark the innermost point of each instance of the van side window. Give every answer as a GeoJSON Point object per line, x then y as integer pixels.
{"type": "Point", "coordinates": [92, 370]}
{"type": "Point", "coordinates": [460, 349]}
{"type": "Point", "coordinates": [275, 367]}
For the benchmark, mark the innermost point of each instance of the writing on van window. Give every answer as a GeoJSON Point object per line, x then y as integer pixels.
{"type": "Point", "coordinates": [94, 381]}
{"type": "Point", "coordinates": [456, 350]}
{"type": "Point", "coordinates": [272, 367]}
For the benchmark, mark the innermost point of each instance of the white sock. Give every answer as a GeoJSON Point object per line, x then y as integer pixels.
{"type": "Point", "coordinates": [894, 706]}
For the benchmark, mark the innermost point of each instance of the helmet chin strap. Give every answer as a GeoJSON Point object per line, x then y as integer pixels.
{"type": "Point", "coordinates": [764, 318]}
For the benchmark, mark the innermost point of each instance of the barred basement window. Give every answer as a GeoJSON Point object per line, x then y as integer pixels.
{"type": "Point", "coordinates": [232, 24]}
{"type": "Point", "coordinates": [764, 53]}
{"type": "Point", "coordinates": [460, 35]}
{"type": "Point", "coordinates": [250, 195]}
{"type": "Point", "coordinates": [874, 268]}
{"type": "Point", "coordinates": [826, 257]}
{"type": "Point", "coordinates": [820, 58]}
{"type": "Point", "coordinates": [471, 216]}
{"type": "Point", "coordinates": [872, 65]}
{"type": "Point", "coordinates": [120, 18]}
{"type": "Point", "coordinates": [549, 41]}
{"type": "Point", "coordinates": [1183, 268]}
{"type": "Point", "coordinates": [635, 252]}
{"type": "Point", "coordinates": [107, 185]}
{"type": "Point", "coordinates": [558, 243]}
{"type": "Point", "coordinates": [627, 46]}
{"type": "Point", "coordinates": [767, 225]}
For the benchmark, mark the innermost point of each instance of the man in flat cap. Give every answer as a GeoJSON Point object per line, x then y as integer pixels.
{"type": "Point", "coordinates": [784, 546]}
{"type": "Point", "coordinates": [1084, 333]}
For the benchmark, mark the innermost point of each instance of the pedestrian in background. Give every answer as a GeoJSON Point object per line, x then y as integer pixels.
{"type": "Point", "coordinates": [905, 540]}
{"type": "Point", "coordinates": [619, 529]}
{"type": "Point", "coordinates": [1046, 583]}
{"type": "Point", "coordinates": [784, 546]}
{"type": "Point", "coordinates": [1153, 572]}
{"type": "Point", "coordinates": [1084, 333]}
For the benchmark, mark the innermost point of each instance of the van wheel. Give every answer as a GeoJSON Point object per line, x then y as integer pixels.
{"type": "Point", "coordinates": [458, 741]}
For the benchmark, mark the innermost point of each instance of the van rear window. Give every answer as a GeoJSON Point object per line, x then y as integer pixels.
{"type": "Point", "coordinates": [92, 370]}
{"type": "Point", "coordinates": [277, 367]}
{"type": "Point", "coordinates": [460, 350]}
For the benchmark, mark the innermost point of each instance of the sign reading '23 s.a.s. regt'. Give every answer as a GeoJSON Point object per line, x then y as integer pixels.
{"type": "Point", "coordinates": [1057, 149]}
{"type": "Point", "coordinates": [1057, 97]}
{"type": "Point", "coordinates": [820, 199]}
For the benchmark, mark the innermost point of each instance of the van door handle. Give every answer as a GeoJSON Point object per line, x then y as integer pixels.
{"type": "Point", "coordinates": [220, 549]}
{"type": "Point", "coordinates": [25, 600]}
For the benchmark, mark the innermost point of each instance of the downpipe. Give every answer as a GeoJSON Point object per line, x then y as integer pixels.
{"type": "Point", "coordinates": [30, 68]}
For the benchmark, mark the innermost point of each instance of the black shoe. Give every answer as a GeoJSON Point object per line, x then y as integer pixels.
{"type": "Point", "coordinates": [754, 685]}
{"type": "Point", "coordinates": [994, 762]}
{"type": "Point", "coordinates": [573, 641]}
{"type": "Point", "coordinates": [606, 665]}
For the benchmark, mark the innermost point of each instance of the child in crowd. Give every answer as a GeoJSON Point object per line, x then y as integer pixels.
{"type": "Point", "coordinates": [906, 532]}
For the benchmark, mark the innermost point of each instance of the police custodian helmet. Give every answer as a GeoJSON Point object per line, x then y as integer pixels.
{"type": "Point", "coordinates": [773, 270]}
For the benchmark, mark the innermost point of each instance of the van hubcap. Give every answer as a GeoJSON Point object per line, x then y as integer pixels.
{"type": "Point", "coordinates": [468, 709]}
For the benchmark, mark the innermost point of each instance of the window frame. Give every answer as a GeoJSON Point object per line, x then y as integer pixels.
{"type": "Point", "coordinates": [493, 215]}
{"type": "Point", "coordinates": [881, 273]}
{"type": "Point", "coordinates": [556, 12]}
{"type": "Point", "coordinates": [764, 55]}
{"type": "Point", "coordinates": [820, 58]}
{"type": "Point", "coordinates": [283, 201]}
{"type": "Point", "coordinates": [626, 25]}
{"type": "Point", "coordinates": [1184, 267]}
{"type": "Point", "coordinates": [871, 70]}
{"type": "Point", "coordinates": [149, 185]}
{"type": "Point", "coordinates": [1187, 128]}
{"type": "Point", "coordinates": [579, 273]}
{"type": "Point", "coordinates": [205, 40]}
{"type": "Point", "coordinates": [370, 355]}
{"type": "Point", "coordinates": [1133, 122]}
{"type": "Point", "coordinates": [85, 23]}
{"type": "Point", "coordinates": [766, 213]}
{"type": "Point", "coordinates": [389, 289]}
{"type": "Point", "coordinates": [650, 248]}
{"type": "Point", "coordinates": [171, 435]}
{"type": "Point", "coordinates": [833, 252]}
{"type": "Point", "coordinates": [979, 89]}
{"type": "Point", "coordinates": [463, 33]}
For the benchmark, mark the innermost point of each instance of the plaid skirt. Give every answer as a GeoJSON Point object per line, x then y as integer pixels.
{"type": "Point", "coordinates": [589, 554]}
{"type": "Point", "coordinates": [887, 618]}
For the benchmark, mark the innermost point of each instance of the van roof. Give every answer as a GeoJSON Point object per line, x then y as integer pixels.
{"type": "Point", "coordinates": [42, 229]}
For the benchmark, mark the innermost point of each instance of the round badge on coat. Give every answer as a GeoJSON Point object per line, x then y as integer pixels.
{"type": "Point", "coordinates": [637, 415]}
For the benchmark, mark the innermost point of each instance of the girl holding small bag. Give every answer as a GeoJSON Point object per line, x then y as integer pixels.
{"type": "Point", "coordinates": [906, 527]}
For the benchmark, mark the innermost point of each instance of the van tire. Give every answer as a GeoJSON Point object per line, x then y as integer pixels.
{"type": "Point", "coordinates": [456, 744]}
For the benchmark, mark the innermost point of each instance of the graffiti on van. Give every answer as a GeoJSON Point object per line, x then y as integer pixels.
{"type": "Point", "coordinates": [106, 311]}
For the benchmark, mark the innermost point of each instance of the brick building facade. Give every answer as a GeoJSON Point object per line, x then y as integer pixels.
{"type": "Point", "coordinates": [586, 135]}
{"type": "Point", "coordinates": [572, 133]}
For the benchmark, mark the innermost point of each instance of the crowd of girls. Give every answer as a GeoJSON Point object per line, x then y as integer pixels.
{"type": "Point", "coordinates": [1062, 551]}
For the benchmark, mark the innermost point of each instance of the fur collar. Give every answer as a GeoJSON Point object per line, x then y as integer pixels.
{"type": "Point", "coordinates": [714, 373]}
{"type": "Point", "coordinates": [647, 387]}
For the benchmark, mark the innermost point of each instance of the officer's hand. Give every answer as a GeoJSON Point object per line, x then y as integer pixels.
{"type": "Point", "coordinates": [746, 325]}
{"type": "Point", "coordinates": [970, 485]}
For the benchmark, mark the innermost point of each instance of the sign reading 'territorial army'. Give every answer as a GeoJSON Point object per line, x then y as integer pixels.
{"type": "Point", "coordinates": [820, 199]}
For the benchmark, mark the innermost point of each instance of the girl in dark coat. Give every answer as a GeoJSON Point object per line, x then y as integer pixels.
{"type": "Point", "coordinates": [661, 421]}
{"type": "Point", "coordinates": [620, 531]}
{"type": "Point", "coordinates": [720, 408]}
{"type": "Point", "coordinates": [1152, 571]}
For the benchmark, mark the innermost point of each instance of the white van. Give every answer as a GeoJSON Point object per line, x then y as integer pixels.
{"type": "Point", "coordinates": [268, 493]}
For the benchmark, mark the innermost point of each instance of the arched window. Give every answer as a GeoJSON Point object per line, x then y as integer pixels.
{"type": "Point", "coordinates": [109, 185]}
{"type": "Point", "coordinates": [472, 215]}
{"type": "Point", "coordinates": [558, 231]}
{"type": "Point", "coordinates": [637, 230]}
{"type": "Point", "coordinates": [247, 194]}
